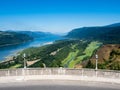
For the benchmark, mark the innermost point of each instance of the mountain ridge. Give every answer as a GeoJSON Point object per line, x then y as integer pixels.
{"type": "Point", "coordinates": [105, 34]}
{"type": "Point", "coordinates": [113, 25]}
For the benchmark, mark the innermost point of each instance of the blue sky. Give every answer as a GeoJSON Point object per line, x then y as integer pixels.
{"type": "Point", "coordinates": [57, 16]}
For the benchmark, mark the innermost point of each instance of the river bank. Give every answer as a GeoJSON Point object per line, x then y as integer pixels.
{"type": "Point", "coordinates": [11, 50]}
{"type": "Point", "coordinates": [12, 55]}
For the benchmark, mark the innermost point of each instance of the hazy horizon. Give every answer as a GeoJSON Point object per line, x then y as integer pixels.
{"type": "Point", "coordinates": [57, 16]}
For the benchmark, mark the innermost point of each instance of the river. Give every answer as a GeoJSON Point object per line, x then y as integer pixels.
{"type": "Point", "coordinates": [12, 49]}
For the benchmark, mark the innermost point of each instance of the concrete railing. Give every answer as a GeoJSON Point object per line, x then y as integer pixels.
{"type": "Point", "coordinates": [60, 71]}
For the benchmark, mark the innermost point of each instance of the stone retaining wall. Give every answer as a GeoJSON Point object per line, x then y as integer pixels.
{"type": "Point", "coordinates": [60, 71]}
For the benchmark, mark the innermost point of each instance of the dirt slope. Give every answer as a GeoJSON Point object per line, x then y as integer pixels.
{"type": "Point", "coordinates": [108, 57]}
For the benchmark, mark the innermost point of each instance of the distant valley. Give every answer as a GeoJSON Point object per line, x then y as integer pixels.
{"type": "Point", "coordinates": [26, 39]}
{"type": "Point", "coordinates": [36, 34]}
{"type": "Point", "coordinates": [17, 37]}
{"type": "Point", "coordinates": [78, 50]}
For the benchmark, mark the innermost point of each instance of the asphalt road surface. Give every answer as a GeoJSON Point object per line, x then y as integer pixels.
{"type": "Point", "coordinates": [58, 85]}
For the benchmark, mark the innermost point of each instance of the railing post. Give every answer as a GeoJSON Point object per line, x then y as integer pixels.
{"type": "Point", "coordinates": [96, 68]}
{"type": "Point", "coordinates": [24, 56]}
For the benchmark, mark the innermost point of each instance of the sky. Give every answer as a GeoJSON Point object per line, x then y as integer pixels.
{"type": "Point", "coordinates": [57, 16]}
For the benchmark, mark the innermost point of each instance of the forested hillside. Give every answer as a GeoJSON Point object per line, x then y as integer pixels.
{"type": "Point", "coordinates": [107, 35]}
{"type": "Point", "coordinates": [10, 38]}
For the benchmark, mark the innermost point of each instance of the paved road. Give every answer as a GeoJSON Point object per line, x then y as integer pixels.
{"type": "Point", "coordinates": [58, 85]}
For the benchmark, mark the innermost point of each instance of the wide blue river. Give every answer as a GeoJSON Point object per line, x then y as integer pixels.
{"type": "Point", "coordinates": [12, 49]}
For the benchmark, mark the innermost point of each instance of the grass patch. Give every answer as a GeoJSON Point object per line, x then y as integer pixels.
{"type": "Point", "coordinates": [70, 57]}
{"type": "Point", "coordinates": [91, 47]}
{"type": "Point", "coordinates": [16, 66]}
{"type": "Point", "coordinates": [67, 60]}
{"type": "Point", "coordinates": [87, 53]}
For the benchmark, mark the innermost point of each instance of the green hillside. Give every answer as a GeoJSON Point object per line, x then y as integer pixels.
{"type": "Point", "coordinates": [66, 53]}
